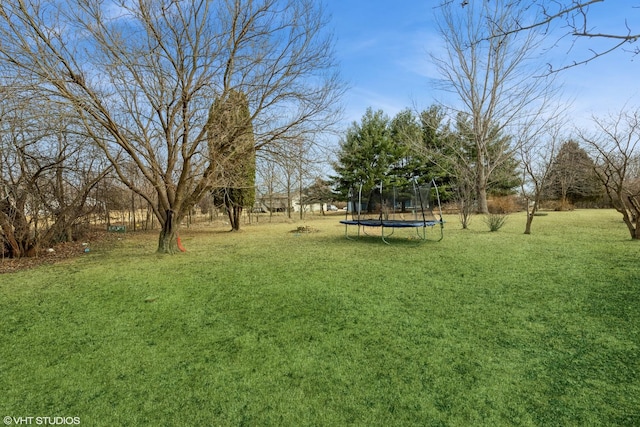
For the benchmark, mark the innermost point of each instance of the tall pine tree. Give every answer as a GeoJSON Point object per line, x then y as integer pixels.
{"type": "Point", "coordinates": [572, 178]}
{"type": "Point", "coordinates": [232, 148]}
{"type": "Point", "coordinates": [366, 154]}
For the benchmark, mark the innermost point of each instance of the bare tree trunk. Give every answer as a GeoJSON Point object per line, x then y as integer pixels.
{"type": "Point", "coordinates": [631, 217]}
{"type": "Point", "coordinates": [531, 214]}
{"type": "Point", "coordinates": [630, 223]}
{"type": "Point", "coordinates": [11, 246]}
{"type": "Point", "coordinates": [481, 190]}
{"type": "Point", "coordinates": [527, 227]}
{"type": "Point", "coordinates": [235, 214]}
{"type": "Point", "coordinates": [481, 178]}
{"type": "Point", "coordinates": [133, 210]}
{"type": "Point", "coordinates": [168, 241]}
{"type": "Point", "coordinates": [635, 209]}
{"type": "Point", "coordinates": [289, 201]}
{"type": "Point", "coordinates": [15, 228]}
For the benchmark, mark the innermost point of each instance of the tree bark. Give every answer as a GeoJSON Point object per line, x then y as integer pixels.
{"type": "Point", "coordinates": [634, 221]}
{"type": "Point", "coordinates": [527, 227]}
{"type": "Point", "coordinates": [15, 227]}
{"type": "Point", "coordinates": [481, 190]}
{"type": "Point", "coordinates": [481, 179]}
{"type": "Point", "coordinates": [11, 245]}
{"type": "Point", "coordinates": [168, 241]}
{"type": "Point", "coordinates": [530, 215]}
{"type": "Point", "coordinates": [234, 212]}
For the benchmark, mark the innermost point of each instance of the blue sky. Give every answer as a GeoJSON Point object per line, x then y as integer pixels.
{"type": "Point", "coordinates": [383, 48]}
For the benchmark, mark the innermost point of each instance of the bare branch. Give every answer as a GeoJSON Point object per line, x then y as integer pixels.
{"type": "Point", "coordinates": [575, 18]}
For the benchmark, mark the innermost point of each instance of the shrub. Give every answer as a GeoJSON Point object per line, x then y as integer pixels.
{"type": "Point", "coordinates": [504, 204]}
{"type": "Point", "coordinates": [495, 221]}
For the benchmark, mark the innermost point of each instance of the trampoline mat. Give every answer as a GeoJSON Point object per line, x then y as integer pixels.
{"type": "Point", "coordinates": [390, 223]}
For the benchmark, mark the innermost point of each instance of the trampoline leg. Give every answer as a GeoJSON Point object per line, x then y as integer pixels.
{"type": "Point", "coordinates": [346, 233]}
{"type": "Point", "coordinates": [383, 239]}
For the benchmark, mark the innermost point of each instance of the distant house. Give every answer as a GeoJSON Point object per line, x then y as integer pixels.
{"type": "Point", "coordinates": [277, 202]}
{"type": "Point", "coordinates": [271, 203]}
{"type": "Point", "coordinates": [309, 207]}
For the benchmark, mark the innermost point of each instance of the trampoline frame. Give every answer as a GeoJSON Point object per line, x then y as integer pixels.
{"type": "Point", "coordinates": [420, 225]}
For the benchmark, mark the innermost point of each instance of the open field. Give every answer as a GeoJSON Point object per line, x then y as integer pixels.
{"type": "Point", "coordinates": [270, 327]}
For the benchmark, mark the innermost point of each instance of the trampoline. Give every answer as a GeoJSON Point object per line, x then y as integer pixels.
{"type": "Point", "coordinates": [397, 207]}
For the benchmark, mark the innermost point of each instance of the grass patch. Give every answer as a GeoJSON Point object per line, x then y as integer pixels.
{"type": "Point", "coordinates": [270, 327]}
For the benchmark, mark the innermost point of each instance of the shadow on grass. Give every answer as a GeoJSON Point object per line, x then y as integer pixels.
{"type": "Point", "coordinates": [373, 240]}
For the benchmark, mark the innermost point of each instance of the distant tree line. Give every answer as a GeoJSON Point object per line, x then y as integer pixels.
{"type": "Point", "coordinates": [386, 150]}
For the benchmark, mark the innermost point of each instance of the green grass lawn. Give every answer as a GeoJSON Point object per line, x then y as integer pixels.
{"type": "Point", "coordinates": [268, 327]}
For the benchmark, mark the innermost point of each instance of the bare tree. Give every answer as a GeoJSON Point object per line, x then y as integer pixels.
{"type": "Point", "coordinates": [297, 163]}
{"type": "Point", "coordinates": [451, 156]}
{"type": "Point", "coordinates": [492, 72]}
{"type": "Point", "coordinates": [267, 182]}
{"type": "Point", "coordinates": [47, 181]}
{"type": "Point", "coordinates": [537, 155]}
{"type": "Point", "coordinates": [616, 148]}
{"type": "Point", "coordinates": [142, 77]}
{"type": "Point", "coordinates": [288, 167]}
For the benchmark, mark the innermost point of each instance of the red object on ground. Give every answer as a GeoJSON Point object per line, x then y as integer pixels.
{"type": "Point", "coordinates": [182, 249]}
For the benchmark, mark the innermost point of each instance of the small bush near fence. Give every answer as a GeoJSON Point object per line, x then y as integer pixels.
{"type": "Point", "coordinates": [504, 204]}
